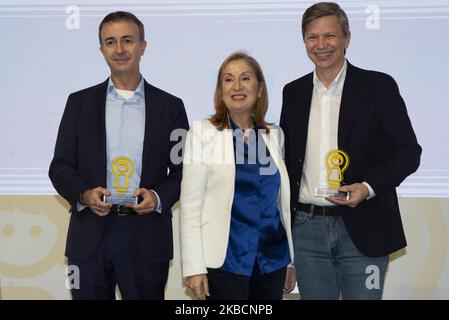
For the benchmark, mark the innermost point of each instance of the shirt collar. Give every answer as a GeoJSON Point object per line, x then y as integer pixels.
{"type": "Point", "coordinates": [336, 86]}
{"type": "Point", "coordinates": [140, 90]}
{"type": "Point", "coordinates": [234, 125]}
{"type": "Point", "coordinates": [239, 134]}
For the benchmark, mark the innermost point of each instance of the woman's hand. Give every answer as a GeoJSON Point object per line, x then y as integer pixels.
{"type": "Point", "coordinates": [290, 280]}
{"type": "Point", "coordinates": [199, 285]}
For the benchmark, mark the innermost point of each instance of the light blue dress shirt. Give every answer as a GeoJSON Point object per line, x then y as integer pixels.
{"type": "Point", "coordinates": [125, 131]}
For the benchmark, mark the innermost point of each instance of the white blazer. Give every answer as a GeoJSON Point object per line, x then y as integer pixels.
{"type": "Point", "coordinates": [207, 194]}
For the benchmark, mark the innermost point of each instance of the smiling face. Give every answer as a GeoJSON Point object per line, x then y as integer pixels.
{"type": "Point", "coordinates": [22, 231]}
{"type": "Point", "coordinates": [122, 47]}
{"type": "Point", "coordinates": [326, 44]}
{"type": "Point", "coordinates": [240, 87]}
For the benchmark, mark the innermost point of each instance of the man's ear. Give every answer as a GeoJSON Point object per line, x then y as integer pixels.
{"type": "Point", "coordinates": [348, 40]}
{"type": "Point", "coordinates": [144, 47]}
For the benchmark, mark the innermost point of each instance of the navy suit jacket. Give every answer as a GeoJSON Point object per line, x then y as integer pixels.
{"type": "Point", "coordinates": [375, 130]}
{"type": "Point", "coordinates": [79, 164]}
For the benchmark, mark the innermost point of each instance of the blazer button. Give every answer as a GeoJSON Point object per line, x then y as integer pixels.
{"type": "Point", "coordinates": [297, 183]}
{"type": "Point", "coordinates": [299, 159]}
{"type": "Point", "coordinates": [294, 209]}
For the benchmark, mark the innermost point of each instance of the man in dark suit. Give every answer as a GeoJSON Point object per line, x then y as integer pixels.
{"type": "Point", "coordinates": [342, 245]}
{"type": "Point", "coordinates": [115, 137]}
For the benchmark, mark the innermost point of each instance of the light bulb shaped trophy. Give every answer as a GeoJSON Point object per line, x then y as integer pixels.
{"type": "Point", "coordinates": [122, 169]}
{"type": "Point", "coordinates": [336, 161]}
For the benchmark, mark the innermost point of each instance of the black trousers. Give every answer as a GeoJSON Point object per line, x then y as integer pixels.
{"type": "Point", "coordinates": [118, 262]}
{"type": "Point", "coordinates": [225, 285]}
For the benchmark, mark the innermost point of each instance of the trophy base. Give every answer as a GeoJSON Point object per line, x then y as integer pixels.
{"type": "Point", "coordinates": [121, 200]}
{"type": "Point", "coordinates": [327, 192]}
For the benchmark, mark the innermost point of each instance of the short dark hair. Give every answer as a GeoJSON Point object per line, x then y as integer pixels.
{"type": "Point", "coordinates": [122, 16]}
{"type": "Point", "coordinates": [323, 9]}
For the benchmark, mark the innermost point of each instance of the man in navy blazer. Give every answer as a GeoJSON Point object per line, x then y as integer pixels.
{"type": "Point", "coordinates": [342, 246]}
{"type": "Point", "coordinates": [129, 246]}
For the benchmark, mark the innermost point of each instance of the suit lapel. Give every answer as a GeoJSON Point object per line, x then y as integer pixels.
{"type": "Point", "coordinates": [154, 107]}
{"type": "Point", "coordinates": [272, 142]}
{"type": "Point", "coordinates": [99, 127]}
{"type": "Point", "coordinates": [303, 115]}
{"type": "Point", "coordinates": [351, 101]}
{"type": "Point", "coordinates": [228, 155]}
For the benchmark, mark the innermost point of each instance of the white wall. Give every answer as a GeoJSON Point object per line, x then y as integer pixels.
{"type": "Point", "coordinates": [50, 48]}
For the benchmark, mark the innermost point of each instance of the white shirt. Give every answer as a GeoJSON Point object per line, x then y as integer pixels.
{"type": "Point", "coordinates": [322, 136]}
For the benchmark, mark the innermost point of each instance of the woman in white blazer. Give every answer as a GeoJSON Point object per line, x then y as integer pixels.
{"type": "Point", "coordinates": [236, 238]}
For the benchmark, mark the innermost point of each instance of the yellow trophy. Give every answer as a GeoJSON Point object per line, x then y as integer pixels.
{"type": "Point", "coordinates": [122, 168]}
{"type": "Point", "coordinates": [337, 161]}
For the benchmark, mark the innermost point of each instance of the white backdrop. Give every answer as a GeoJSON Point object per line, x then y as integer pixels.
{"type": "Point", "coordinates": [50, 48]}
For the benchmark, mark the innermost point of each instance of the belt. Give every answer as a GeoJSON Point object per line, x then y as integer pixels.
{"type": "Point", "coordinates": [319, 210]}
{"type": "Point", "coordinates": [120, 210]}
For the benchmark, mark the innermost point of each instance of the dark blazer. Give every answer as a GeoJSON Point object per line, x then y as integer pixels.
{"type": "Point", "coordinates": [375, 130]}
{"type": "Point", "coordinates": [79, 164]}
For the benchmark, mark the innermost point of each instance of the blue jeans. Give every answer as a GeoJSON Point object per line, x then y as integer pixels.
{"type": "Point", "coordinates": [328, 264]}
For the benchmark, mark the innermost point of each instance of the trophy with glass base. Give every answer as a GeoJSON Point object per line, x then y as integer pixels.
{"type": "Point", "coordinates": [337, 161]}
{"type": "Point", "coordinates": [122, 169]}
